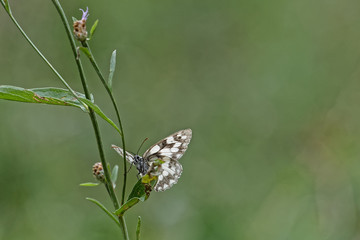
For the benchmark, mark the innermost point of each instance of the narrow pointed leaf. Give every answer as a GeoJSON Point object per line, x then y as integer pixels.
{"type": "Point", "coordinates": [100, 113]}
{"type": "Point", "coordinates": [86, 51]}
{"type": "Point", "coordinates": [93, 28]}
{"type": "Point", "coordinates": [74, 19]}
{"type": "Point", "coordinates": [7, 6]}
{"type": "Point", "coordinates": [112, 68]}
{"type": "Point", "coordinates": [113, 183]}
{"type": "Point", "coordinates": [89, 184]}
{"type": "Point", "coordinates": [108, 166]}
{"type": "Point", "coordinates": [140, 192]}
{"type": "Point", "coordinates": [114, 174]}
{"type": "Point", "coordinates": [105, 210]}
{"type": "Point", "coordinates": [138, 228]}
{"type": "Point", "coordinates": [53, 96]}
{"type": "Point", "coordinates": [130, 203]}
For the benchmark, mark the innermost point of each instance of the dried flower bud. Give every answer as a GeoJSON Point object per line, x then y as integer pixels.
{"type": "Point", "coordinates": [80, 26]}
{"type": "Point", "coordinates": [98, 172]}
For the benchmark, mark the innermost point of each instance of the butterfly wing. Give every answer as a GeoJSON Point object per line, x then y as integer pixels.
{"type": "Point", "coordinates": [168, 175]}
{"type": "Point", "coordinates": [129, 156]}
{"type": "Point", "coordinates": [171, 147]}
{"type": "Point", "coordinates": [169, 150]}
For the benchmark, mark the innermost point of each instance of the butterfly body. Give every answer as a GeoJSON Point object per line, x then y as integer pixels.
{"type": "Point", "coordinates": [141, 165]}
{"type": "Point", "coordinates": [161, 159]}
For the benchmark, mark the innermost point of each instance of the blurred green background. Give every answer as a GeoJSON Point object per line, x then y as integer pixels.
{"type": "Point", "coordinates": [271, 90]}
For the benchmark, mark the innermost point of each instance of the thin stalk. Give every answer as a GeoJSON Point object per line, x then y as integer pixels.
{"type": "Point", "coordinates": [93, 118]}
{"type": "Point", "coordinates": [103, 160]}
{"type": "Point", "coordinates": [40, 54]}
{"type": "Point", "coordinates": [107, 87]}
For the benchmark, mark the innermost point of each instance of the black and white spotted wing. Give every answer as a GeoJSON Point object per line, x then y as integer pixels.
{"type": "Point", "coordinates": [129, 156]}
{"type": "Point", "coordinates": [169, 150]}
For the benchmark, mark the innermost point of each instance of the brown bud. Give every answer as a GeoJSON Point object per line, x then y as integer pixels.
{"type": "Point", "coordinates": [98, 172]}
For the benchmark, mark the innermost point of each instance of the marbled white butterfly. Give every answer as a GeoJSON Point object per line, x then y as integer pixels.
{"type": "Point", "coordinates": [161, 159]}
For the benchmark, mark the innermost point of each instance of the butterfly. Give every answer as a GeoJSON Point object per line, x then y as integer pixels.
{"type": "Point", "coordinates": [161, 159]}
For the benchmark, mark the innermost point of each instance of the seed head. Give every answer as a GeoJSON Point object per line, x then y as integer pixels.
{"type": "Point", "coordinates": [98, 172]}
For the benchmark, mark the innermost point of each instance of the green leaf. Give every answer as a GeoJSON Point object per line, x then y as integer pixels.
{"type": "Point", "coordinates": [105, 210]}
{"type": "Point", "coordinates": [7, 6]}
{"type": "Point", "coordinates": [89, 184]}
{"type": "Point", "coordinates": [114, 174]}
{"type": "Point", "coordinates": [53, 96]}
{"type": "Point", "coordinates": [140, 192]}
{"type": "Point", "coordinates": [112, 68]}
{"type": "Point", "coordinates": [130, 203]}
{"type": "Point", "coordinates": [138, 228]}
{"type": "Point", "coordinates": [74, 19]}
{"type": "Point", "coordinates": [93, 28]}
{"type": "Point", "coordinates": [86, 51]}
{"type": "Point", "coordinates": [100, 113]}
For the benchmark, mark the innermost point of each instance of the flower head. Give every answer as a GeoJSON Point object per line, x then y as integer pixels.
{"type": "Point", "coordinates": [80, 26]}
{"type": "Point", "coordinates": [98, 172]}
{"type": "Point", "coordinates": [85, 14]}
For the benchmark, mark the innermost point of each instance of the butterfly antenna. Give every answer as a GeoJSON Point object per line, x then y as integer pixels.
{"type": "Point", "coordinates": [129, 168]}
{"type": "Point", "coordinates": [141, 145]}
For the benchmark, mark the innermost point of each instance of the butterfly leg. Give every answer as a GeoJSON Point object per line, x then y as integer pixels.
{"type": "Point", "coordinates": [129, 168]}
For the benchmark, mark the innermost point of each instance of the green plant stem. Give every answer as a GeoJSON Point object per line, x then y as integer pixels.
{"type": "Point", "coordinates": [40, 54]}
{"type": "Point", "coordinates": [107, 87]}
{"type": "Point", "coordinates": [87, 94]}
{"type": "Point", "coordinates": [93, 118]}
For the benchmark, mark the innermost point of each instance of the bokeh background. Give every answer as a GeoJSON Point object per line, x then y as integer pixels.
{"type": "Point", "coordinates": [271, 90]}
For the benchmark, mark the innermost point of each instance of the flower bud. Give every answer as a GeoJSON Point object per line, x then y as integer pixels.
{"type": "Point", "coordinates": [98, 172]}
{"type": "Point", "coordinates": [80, 26]}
